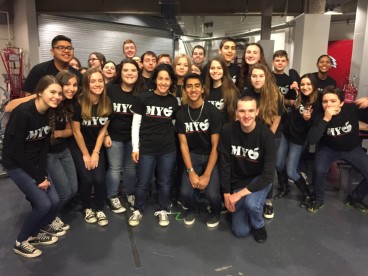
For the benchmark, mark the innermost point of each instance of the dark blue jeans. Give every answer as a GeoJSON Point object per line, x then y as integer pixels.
{"type": "Point", "coordinates": [165, 164]}
{"type": "Point", "coordinates": [61, 169]}
{"type": "Point", "coordinates": [44, 203]}
{"type": "Point", "coordinates": [212, 191]}
{"type": "Point", "coordinates": [326, 156]}
{"type": "Point", "coordinates": [249, 212]}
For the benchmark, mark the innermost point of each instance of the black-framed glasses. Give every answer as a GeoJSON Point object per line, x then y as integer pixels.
{"type": "Point", "coordinates": [64, 48]}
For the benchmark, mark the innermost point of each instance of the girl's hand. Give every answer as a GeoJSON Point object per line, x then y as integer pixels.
{"type": "Point", "coordinates": [44, 185]}
{"type": "Point", "coordinates": [87, 161]}
{"type": "Point", "coordinates": [107, 141]}
{"type": "Point", "coordinates": [94, 160]}
{"type": "Point", "coordinates": [135, 156]}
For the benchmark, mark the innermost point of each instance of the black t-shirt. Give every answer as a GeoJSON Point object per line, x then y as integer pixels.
{"type": "Point", "coordinates": [179, 94]}
{"type": "Point", "coordinates": [295, 128]}
{"type": "Point", "coordinates": [59, 144]}
{"type": "Point", "coordinates": [321, 84]}
{"type": "Point", "coordinates": [284, 81]}
{"type": "Point", "coordinates": [199, 131]}
{"type": "Point", "coordinates": [42, 69]}
{"type": "Point", "coordinates": [157, 132]}
{"type": "Point", "coordinates": [26, 141]}
{"type": "Point", "coordinates": [89, 128]}
{"type": "Point", "coordinates": [341, 133]}
{"type": "Point", "coordinates": [120, 127]}
{"type": "Point", "coordinates": [244, 156]}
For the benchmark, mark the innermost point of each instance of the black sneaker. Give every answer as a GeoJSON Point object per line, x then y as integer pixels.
{"type": "Point", "coordinates": [26, 249]}
{"type": "Point", "coordinates": [359, 205]}
{"type": "Point", "coordinates": [260, 234]}
{"type": "Point", "coordinates": [268, 211]}
{"type": "Point", "coordinates": [189, 218]}
{"type": "Point", "coordinates": [43, 238]}
{"type": "Point", "coordinates": [114, 205]}
{"type": "Point", "coordinates": [213, 219]}
{"type": "Point", "coordinates": [61, 224]}
{"type": "Point", "coordinates": [306, 202]}
{"type": "Point", "coordinates": [53, 229]}
{"type": "Point", "coordinates": [315, 206]}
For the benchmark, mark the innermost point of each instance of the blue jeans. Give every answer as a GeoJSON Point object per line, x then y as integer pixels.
{"type": "Point", "coordinates": [277, 144]}
{"type": "Point", "coordinates": [212, 191]}
{"type": "Point", "coordinates": [249, 212]}
{"type": "Point", "coordinates": [120, 160]}
{"type": "Point", "coordinates": [288, 155]}
{"type": "Point", "coordinates": [165, 164]}
{"type": "Point", "coordinates": [61, 169]}
{"type": "Point", "coordinates": [326, 156]}
{"type": "Point", "coordinates": [44, 203]}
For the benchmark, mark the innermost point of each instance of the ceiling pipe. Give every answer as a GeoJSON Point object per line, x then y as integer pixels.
{"type": "Point", "coordinates": [8, 23]}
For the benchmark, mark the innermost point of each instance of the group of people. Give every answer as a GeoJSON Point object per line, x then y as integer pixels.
{"type": "Point", "coordinates": [216, 130]}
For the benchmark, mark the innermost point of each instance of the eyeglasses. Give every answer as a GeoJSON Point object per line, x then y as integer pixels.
{"type": "Point", "coordinates": [64, 48]}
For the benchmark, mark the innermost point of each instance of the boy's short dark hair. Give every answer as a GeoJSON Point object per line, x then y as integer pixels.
{"type": "Point", "coordinates": [226, 39]}
{"type": "Point", "coordinates": [192, 76]}
{"type": "Point", "coordinates": [199, 47]}
{"type": "Point", "coordinates": [280, 53]}
{"type": "Point", "coordinates": [58, 38]}
{"type": "Point", "coordinates": [148, 53]}
{"type": "Point", "coordinates": [334, 90]}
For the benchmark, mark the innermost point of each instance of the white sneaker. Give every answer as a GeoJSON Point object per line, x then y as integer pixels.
{"type": "Point", "coordinates": [114, 205]}
{"type": "Point", "coordinates": [90, 216]}
{"type": "Point", "coordinates": [163, 218]}
{"type": "Point", "coordinates": [26, 249]}
{"type": "Point", "coordinates": [131, 199]}
{"type": "Point", "coordinates": [136, 218]}
{"type": "Point", "coordinates": [61, 224]}
{"type": "Point", "coordinates": [101, 218]}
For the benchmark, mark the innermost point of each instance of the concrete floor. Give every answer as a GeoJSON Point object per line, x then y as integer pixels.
{"type": "Point", "coordinates": [331, 242]}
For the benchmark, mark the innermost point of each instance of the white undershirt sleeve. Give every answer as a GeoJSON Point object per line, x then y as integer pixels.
{"type": "Point", "coordinates": [136, 125]}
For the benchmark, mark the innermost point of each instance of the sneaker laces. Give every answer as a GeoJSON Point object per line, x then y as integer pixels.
{"type": "Point", "coordinates": [27, 246]}
{"type": "Point", "coordinates": [100, 215]}
{"type": "Point", "coordinates": [131, 199]}
{"type": "Point", "coordinates": [115, 202]}
{"type": "Point", "coordinates": [89, 213]}
{"type": "Point", "coordinates": [136, 215]}
{"type": "Point", "coordinates": [162, 215]}
{"type": "Point", "coordinates": [41, 237]}
{"type": "Point", "coordinates": [55, 226]}
{"type": "Point", "coordinates": [59, 221]}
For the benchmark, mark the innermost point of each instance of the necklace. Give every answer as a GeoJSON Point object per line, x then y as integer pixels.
{"type": "Point", "coordinates": [199, 116]}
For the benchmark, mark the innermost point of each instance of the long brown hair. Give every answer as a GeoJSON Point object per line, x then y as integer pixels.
{"type": "Point", "coordinates": [270, 95]}
{"type": "Point", "coordinates": [312, 98]}
{"type": "Point", "coordinates": [104, 106]}
{"type": "Point", "coordinates": [229, 91]}
{"type": "Point", "coordinates": [242, 80]}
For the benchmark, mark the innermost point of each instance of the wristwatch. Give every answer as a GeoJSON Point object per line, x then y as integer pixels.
{"type": "Point", "coordinates": [190, 170]}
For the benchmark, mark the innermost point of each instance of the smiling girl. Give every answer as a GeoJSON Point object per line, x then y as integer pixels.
{"type": "Point", "coordinates": [118, 142]}
{"type": "Point", "coordinates": [24, 156]}
{"type": "Point", "coordinates": [223, 93]}
{"type": "Point", "coordinates": [293, 139]}
{"type": "Point", "coordinates": [153, 141]}
{"type": "Point", "coordinates": [90, 122]}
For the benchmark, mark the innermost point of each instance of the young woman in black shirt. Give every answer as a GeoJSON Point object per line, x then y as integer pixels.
{"type": "Point", "coordinates": [90, 122]}
{"type": "Point", "coordinates": [24, 156]}
{"type": "Point", "coordinates": [153, 141]}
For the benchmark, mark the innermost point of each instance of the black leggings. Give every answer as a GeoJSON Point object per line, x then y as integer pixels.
{"type": "Point", "coordinates": [95, 178]}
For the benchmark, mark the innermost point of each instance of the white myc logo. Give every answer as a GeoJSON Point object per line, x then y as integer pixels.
{"type": "Point", "coordinates": [337, 131]}
{"type": "Point", "coordinates": [197, 126]}
{"type": "Point", "coordinates": [159, 111]}
{"type": "Point", "coordinates": [218, 104]}
{"type": "Point", "coordinates": [95, 121]}
{"type": "Point", "coordinates": [38, 133]}
{"type": "Point", "coordinates": [239, 151]}
{"type": "Point", "coordinates": [122, 108]}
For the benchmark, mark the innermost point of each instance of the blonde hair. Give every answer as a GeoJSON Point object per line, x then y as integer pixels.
{"type": "Point", "coordinates": [104, 107]}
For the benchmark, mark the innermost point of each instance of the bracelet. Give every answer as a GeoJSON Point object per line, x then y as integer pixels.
{"type": "Point", "coordinates": [95, 151]}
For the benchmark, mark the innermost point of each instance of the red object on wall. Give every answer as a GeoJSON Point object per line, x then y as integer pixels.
{"type": "Point", "coordinates": [340, 51]}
